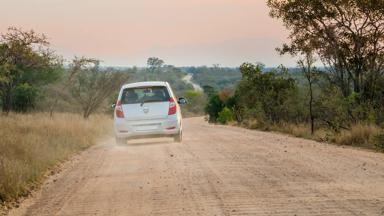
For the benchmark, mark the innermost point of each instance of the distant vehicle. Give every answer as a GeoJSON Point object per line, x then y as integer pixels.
{"type": "Point", "coordinates": [147, 109]}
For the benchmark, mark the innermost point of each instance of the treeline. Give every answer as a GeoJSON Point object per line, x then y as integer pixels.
{"type": "Point", "coordinates": [158, 70]}
{"type": "Point", "coordinates": [214, 76]}
{"type": "Point", "coordinates": [344, 100]}
{"type": "Point", "coordinates": [33, 77]}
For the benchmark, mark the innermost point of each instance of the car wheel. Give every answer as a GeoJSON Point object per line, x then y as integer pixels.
{"type": "Point", "coordinates": [178, 137]}
{"type": "Point", "coordinates": [121, 141]}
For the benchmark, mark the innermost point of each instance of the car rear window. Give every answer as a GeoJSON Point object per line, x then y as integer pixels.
{"type": "Point", "coordinates": [149, 94]}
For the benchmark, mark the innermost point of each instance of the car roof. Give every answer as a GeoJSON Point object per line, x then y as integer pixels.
{"type": "Point", "coordinates": [144, 84]}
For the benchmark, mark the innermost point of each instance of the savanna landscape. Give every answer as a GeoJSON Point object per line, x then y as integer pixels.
{"type": "Point", "coordinates": [304, 136]}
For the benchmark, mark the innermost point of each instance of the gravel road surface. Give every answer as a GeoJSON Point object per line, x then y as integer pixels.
{"type": "Point", "coordinates": [217, 170]}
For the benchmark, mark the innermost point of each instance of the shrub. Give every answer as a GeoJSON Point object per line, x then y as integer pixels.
{"type": "Point", "coordinates": [225, 116]}
{"type": "Point", "coordinates": [213, 107]}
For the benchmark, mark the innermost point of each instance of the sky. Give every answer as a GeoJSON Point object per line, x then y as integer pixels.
{"type": "Point", "coordinates": [127, 32]}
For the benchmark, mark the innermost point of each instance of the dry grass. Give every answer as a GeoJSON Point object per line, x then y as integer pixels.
{"type": "Point", "coordinates": [255, 124]}
{"type": "Point", "coordinates": [303, 131]}
{"type": "Point", "coordinates": [32, 144]}
{"type": "Point", "coordinates": [359, 135]}
{"type": "Point", "coordinates": [298, 130]}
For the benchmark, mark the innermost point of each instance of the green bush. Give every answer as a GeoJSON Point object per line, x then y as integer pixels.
{"type": "Point", "coordinates": [24, 97]}
{"type": "Point", "coordinates": [213, 107]}
{"type": "Point", "coordinates": [225, 116]}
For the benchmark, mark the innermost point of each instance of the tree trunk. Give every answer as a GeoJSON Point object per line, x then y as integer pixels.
{"type": "Point", "coordinates": [311, 108]}
{"type": "Point", "coordinates": [86, 114]}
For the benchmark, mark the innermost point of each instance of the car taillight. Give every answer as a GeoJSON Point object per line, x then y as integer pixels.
{"type": "Point", "coordinates": [119, 110]}
{"type": "Point", "coordinates": [172, 106]}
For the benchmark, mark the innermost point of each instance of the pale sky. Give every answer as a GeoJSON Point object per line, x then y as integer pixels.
{"type": "Point", "coordinates": [127, 32]}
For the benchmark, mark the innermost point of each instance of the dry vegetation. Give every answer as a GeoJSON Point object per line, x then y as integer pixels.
{"type": "Point", "coordinates": [360, 135]}
{"type": "Point", "coordinates": [31, 144]}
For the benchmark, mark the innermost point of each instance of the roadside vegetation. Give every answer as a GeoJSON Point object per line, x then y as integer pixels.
{"type": "Point", "coordinates": [46, 108]}
{"type": "Point", "coordinates": [342, 101]}
{"type": "Point", "coordinates": [33, 143]}
{"type": "Point", "coordinates": [53, 108]}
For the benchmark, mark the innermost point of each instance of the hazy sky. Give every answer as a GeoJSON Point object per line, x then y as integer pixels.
{"type": "Point", "coordinates": [127, 32]}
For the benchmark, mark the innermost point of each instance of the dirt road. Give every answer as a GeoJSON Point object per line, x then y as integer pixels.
{"type": "Point", "coordinates": [188, 79]}
{"type": "Point", "coordinates": [216, 171]}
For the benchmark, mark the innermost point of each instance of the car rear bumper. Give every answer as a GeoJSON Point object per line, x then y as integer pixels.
{"type": "Point", "coordinates": [147, 128]}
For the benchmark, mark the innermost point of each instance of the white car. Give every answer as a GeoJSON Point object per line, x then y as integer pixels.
{"type": "Point", "coordinates": [147, 109]}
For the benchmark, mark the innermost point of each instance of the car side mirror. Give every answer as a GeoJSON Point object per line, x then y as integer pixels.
{"type": "Point", "coordinates": [113, 106]}
{"type": "Point", "coordinates": [182, 101]}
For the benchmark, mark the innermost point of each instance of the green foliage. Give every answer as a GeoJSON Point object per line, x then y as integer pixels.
{"type": "Point", "coordinates": [267, 96]}
{"type": "Point", "coordinates": [353, 54]}
{"type": "Point", "coordinates": [216, 77]}
{"type": "Point", "coordinates": [209, 90]}
{"type": "Point", "coordinates": [24, 97]}
{"type": "Point", "coordinates": [192, 94]}
{"type": "Point", "coordinates": [25, 59]}
{"type": "Point", "coordinates": [154, 64]}
{"type": "Point", "coordinates": [225, 115]}
{"type": "Point", "coordinates": [214, 107]}
{"type": "Point", "coordinates": [330, 108]}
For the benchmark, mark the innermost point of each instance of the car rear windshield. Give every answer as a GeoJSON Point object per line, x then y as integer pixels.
{"type": "Point", "coordinates": [149, 94]}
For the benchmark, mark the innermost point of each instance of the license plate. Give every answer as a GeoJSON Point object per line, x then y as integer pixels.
{"type": "Point", "coordinates": [146, 127]}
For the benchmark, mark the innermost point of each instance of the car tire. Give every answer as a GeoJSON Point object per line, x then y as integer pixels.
{"type": "Point", "coordinates": [121, 141]}
{"type": "Point", "coordinates": [178, 137]}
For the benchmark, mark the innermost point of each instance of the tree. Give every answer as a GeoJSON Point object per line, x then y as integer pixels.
{"type": "Point", "coordinates": [25, 63]}
{"type": "Point", "coordinates": [25, 97]}
{"type": "Point", "coordinates": [266, 96]}
{"type": "Point", "coordinates": [311, 74]}
{"type": "Point", "coordinates": [208, 90]}
{"type": "Point", "coordinates": [347, 35]}
{"type": "Point", "coordinates": [154, 64]}
{"type": "Point", "coordinates": [214, 107]}
{"type": "Point", "coordinates": [90, 86]}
